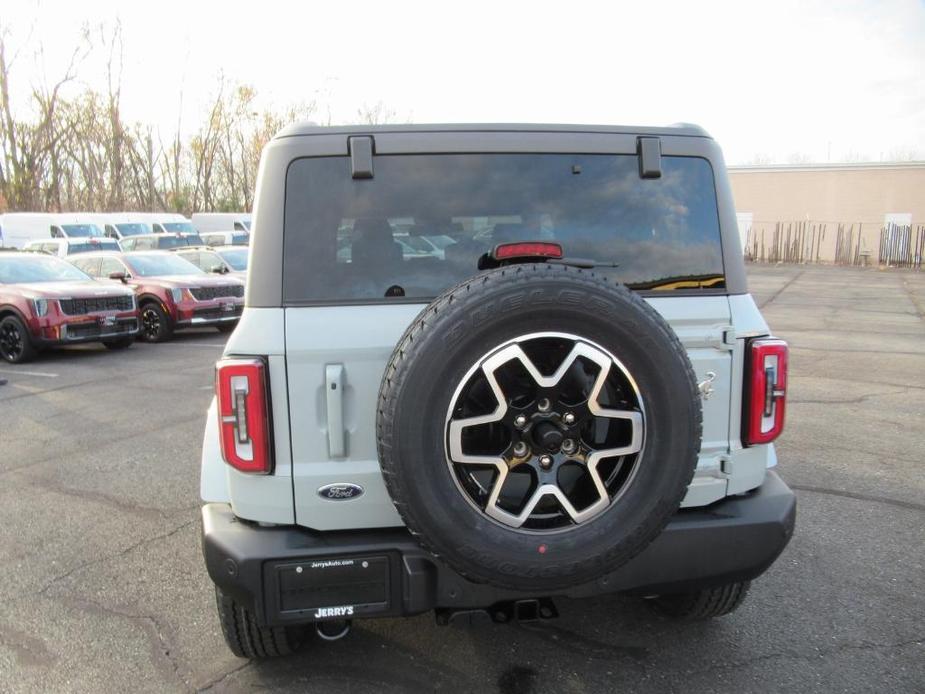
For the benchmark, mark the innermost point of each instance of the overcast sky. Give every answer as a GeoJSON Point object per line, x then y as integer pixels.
{"type": "Point", "coordinates": [776, 78]}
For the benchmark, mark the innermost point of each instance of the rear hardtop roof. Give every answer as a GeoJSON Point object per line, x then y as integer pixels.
{"type": "Point", "coordinates": [309, 128]}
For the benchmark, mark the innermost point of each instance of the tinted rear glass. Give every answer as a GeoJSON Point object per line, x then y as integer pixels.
{"type": "Point", "coordinates": [420, 225]}
{"type": "Point", "coordinates": [175, 241]}
{"type": "Point", "coordinates": [181, 227]}
{"type": "Point", "coordinates": [133, 229]}
{"type": "Point", "coordinates": [101, 245]}
{"type": "Point", "coordinates": [82, 230]}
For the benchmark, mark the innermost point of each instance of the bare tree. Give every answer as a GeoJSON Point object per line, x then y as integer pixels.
{"type": "Point", "coordinates": [29, 146]}
{"type": "Point", "coordinates": [376, 114]}
{"type": "Point", "coordinates": [78, 152]}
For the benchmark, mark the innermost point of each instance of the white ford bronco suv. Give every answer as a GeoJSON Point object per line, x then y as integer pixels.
{"type": "Point", "coordinates": [484, 366]}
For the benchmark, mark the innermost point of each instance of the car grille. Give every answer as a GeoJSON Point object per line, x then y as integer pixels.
{"type": "Point", "coordinates": [206, 293]}
{"type": "Point", "coordinates": [77, 331]}
{"type": "Point", "coordinates": [79, 307]}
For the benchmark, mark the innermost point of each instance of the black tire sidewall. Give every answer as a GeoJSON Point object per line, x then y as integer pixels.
{"type": "Point", "coordinates": [165, 329]}
{"type": "Point", "coordinates": [29, 351]}
{"type": "Point", "coordinates": [484, 549]}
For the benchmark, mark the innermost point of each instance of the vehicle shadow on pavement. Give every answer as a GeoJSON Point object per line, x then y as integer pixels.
{"type": "Point", "coordinates": [610, 641]}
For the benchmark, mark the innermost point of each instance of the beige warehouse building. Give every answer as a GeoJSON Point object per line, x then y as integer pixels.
{"type": "Point", "coordinates": [860, 213]}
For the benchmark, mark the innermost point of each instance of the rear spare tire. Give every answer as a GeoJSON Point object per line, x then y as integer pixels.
{"type": "Point", "coordinates": [537, 427]}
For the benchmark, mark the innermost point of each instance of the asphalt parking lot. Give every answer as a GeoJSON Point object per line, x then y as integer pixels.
{"type": "Point", "coordinates": [102, 587]}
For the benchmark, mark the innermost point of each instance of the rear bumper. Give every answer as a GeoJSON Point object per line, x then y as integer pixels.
{"type": "Point", "coordinates": [732, 540]}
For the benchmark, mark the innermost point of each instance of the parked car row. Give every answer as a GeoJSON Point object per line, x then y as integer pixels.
{"type": "Point", "coordinates": [18, 229]}
{"type": "Point", "coordinates": [113, 297]}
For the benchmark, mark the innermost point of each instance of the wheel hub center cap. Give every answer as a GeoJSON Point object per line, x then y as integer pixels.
{"type": "Point", "coordinates": [548, 437]}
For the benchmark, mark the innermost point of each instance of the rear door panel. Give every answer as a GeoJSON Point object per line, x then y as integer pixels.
{"type": "Point", "coordinates": [360, 339]}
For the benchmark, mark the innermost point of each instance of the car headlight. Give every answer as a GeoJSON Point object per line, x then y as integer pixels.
{"type": "Point", "coordinates": [40, 306]}
{"type": "Point", "coordinates": [176, 295]}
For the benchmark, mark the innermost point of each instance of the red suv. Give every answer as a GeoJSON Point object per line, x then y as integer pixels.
{"type": "Point", "coordinates": [46, 301]}
{"type": "Point", "coordinates": [172, 293]}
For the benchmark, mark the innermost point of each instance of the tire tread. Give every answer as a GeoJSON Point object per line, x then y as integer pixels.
{"type": "Point", "coordinates": [702, 604]}
{"type": "Point", "coordinates": [246, 638]}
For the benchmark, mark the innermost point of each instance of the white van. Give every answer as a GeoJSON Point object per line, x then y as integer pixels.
{"type": "Point", "coordinates": [221, 221]}
{"type": "Point", "coordinates": [166, 222]}
{"type": "Point", "coordinates": [119, 225]}
{"type": "Point", "coordinates": [21, 227]}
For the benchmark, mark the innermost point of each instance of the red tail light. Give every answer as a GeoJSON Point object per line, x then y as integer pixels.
{"type": "Point", "coordinates": [527, 249]}
{"type": "Point", "coordinates": [766, 394]}
{"type": "Point", "coordinates": [243, 414]}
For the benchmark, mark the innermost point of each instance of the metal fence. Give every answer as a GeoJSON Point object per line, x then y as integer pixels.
{"type": "Point", "coordinates": [902, 246]}
{"type": "Point", "coordinates": [836, 243]}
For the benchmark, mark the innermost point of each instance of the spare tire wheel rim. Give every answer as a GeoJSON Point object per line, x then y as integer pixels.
{"type": "Point", "coordinates": [563, 441]}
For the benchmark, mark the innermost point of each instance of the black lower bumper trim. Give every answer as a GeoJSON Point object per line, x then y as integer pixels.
{"type": "Point", "coordinates": [290, 575]}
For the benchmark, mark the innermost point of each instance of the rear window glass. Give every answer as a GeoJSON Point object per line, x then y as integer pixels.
{"type": "Point", "coordinates": [421, 224]}
{"type": "Point", "coordinates": [133, 229]}
{"type": "Point", "coordinates": [179, 227]}
{"type": "Point", "coordinates": [178, 241]}
{"type": "Point", "coordinates": [95, 245]}
{"type": "Point", "coordinates": [82, 230]}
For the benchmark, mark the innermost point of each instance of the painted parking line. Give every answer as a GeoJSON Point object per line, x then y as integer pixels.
{"type": "Point", "coordinates": [191, 344]}
{"type": "Point", "coordinates": [42, 374]}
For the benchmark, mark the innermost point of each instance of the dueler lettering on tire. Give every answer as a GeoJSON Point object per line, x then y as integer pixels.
{"type": "Point", "coordinates": [537, 426]}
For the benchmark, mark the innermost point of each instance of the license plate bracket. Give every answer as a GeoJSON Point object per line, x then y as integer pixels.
{"type": "Point", "coordinates": [333, 587]}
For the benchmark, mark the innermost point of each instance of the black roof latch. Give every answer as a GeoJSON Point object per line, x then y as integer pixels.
{"type": "Point", "coordinates": [361, 150]}
{"type": "Point", "coordinates": [649, 150]}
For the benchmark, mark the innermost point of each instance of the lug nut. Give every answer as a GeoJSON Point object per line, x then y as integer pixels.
{"type": "Point", "coordinates": [543, 405]}
{"type": "Point", "coordinates": [545, 461]}
{"type": "Point", "coordinates": [520, 421]}
{"type": "Point", "coordinates": [520, 449]}
{"type": "Point", "coordinates": [568, 418]}
{"type": "Point", "coordinates": [568, 446]}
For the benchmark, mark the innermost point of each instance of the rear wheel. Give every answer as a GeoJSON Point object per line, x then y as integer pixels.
{"type": "Point", "coordinates": [155, 324]}
{"type": "Point", "coordinates": [121, 343]}
{"type": "Point", "coordinates": [702, 604]}
{"type": "Point", "coordinates": [15, 342]}
{"type": "Point", "coordinates": [246, 638]}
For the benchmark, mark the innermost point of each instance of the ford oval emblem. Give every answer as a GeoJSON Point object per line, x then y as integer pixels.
{"type": "Point", "coordinates": [340, 491]}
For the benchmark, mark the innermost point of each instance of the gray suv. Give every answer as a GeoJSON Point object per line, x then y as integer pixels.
{"type": "Point", "coordinates": [482, 367]}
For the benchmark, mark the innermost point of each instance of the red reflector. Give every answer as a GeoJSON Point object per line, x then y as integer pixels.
{"type": "Point", "coordinates": [243, 414]}
{"type": "Point", "coordinates": [766, 393]}
{"type": "Point", "coordinates": [527, 249]}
